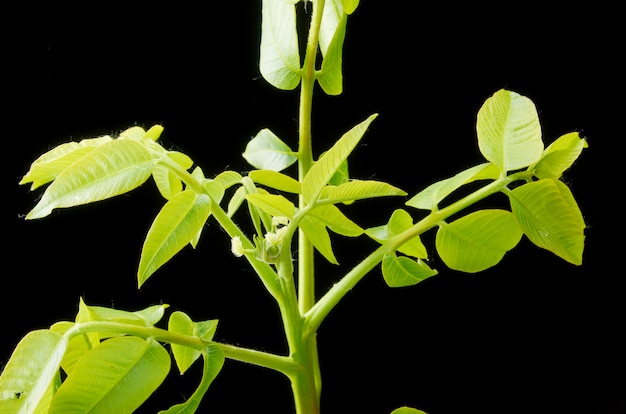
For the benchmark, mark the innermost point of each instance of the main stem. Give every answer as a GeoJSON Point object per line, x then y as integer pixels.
{"type": "Point", "coordinates": [306, 386]}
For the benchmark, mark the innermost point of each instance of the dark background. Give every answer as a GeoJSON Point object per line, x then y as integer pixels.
{"type": "Point", "coordinates": [532, 334]}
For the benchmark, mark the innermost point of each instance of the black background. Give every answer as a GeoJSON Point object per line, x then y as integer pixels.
{"type": "Point", "coordinates": [532, 334]}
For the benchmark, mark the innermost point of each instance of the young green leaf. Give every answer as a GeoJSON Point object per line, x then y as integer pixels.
{"type": "Point", "coordinates": [323, 170]}
{"type": "Point", "coordinates": [272, 204]}
{"type": "Point", "coordinates": [477, 241]}
{"type": "Point", "coordinates": [358, 190]}
{"type": "Point", "coordinates": [49, 165]}
{"type": "Point", "coordinates": [559, 156]}
{"type": "Point", "coordinates": [268, 152]}
{"type": "Point", "coordinates": [330, 76]}
{"type": "Point", "coordinates": [430, 197]}
{"type": "Point", "coordinates": [399, 221]}
{"type": "Point", "coordinates": [407, 410]}
{"type": "Point", "coordinates": [549, 216]}
{"type": "Point", "coordinates": [178, 222]}
{"type": "Point", "coordinates": [349, 6]}
{"type": "Point", "coordinates": [279, 56]}
{"type": "Point", "coordinates": [509, 134]}
{"type": "Point", "coordinates": [145, 317]}
{"type": "Point", "coordinates": [335, 220]}
{"type": "Point", "coordinates": [228, 178]}
{"type": "Point", "coordinates": [115, 377]}
{"type": "Point", "coordinates": [110, 169]}
{"type": "Point", "coordinates": [181, 323]}
{"type": "Point", "coordinates": [213, 362]}
{"type": "Point", "coordinates": [400, 271]}
{"type": "Point", "coordinates": [315, 231]}
{"type": "Point", "coordinates": [275, 180]}
{"type": "Point", "coordinates": [32, 368]}
{"type": "Point", "coordinates": [167, 183]}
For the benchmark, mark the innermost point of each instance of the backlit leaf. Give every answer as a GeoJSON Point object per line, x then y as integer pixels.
{"type": "Point", "coordinates": [336, 221]}
{"type": "Point", "coordinates": [330, 76]}
{"type": "Point", "coordinates": [323, 170]}
{"type": "Point", "coordinates": [181, 323]}
{"type": "Point", "coordinates": [509, 134]}
{"type": "Point", "coordinates": [315, 231]}
{"type": "Point", "coordinates": [178, 222]}
{"type": "Point", "coordinates": [399, 221]}
{"type": "Point", "coordinates": [400, 271]}
{"type": "Point", "coordinates": [477, 241]}
{"type": "Point", "coordinates": [559, 156]}
{"type": "Point", "coordinates": [275, 180]}
{"type": "Point", "coordinates": [268, 152]}
{"type": "Point", "coordinates": [115, 377]}
{"type": "Point", "coordinates": [358, 190]}
{"type": "Point", "coordinates": [110, 169]}
{"type": "Point", "coordinates": [279, 56]}
{"type": "Point", "coordinates": [272, 204]}
{"type": "Point", "coordinates": [549, 216]}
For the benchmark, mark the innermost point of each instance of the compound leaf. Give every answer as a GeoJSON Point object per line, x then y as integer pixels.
{"type": "Point", "coordinates": [550, 217]}
{"type": "Point", "coordinates": [477, 241]}
{"type": "Point", "coordinates": [115, 377]}
{"type": "Point", "coordinates": [110, 169]}
{"type": "Point", "coordinates": [177, 224]}
{"type": "Point", "coordinates": [509, 134]}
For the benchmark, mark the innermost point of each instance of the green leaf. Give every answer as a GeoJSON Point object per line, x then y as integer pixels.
{"type": "Point", "coordinates": [146, 317]}
{"type": "Point", "coordinates": [178, 222]}
{"type": "Point", "coordinates": [330, 76]}
{"type": "Point", "coordinates": [153, 133]}
{"type": "Point", "coordinates": [181, 323]}
{"type": "Point", "coordinates": [115, 377]}
{"type": "Point", "coordinates": [407, 410]}
{"type": "Point", "coordinates": [275, 180]}
{"type": "Point", "coordinates": [335, 220]}
{"type": "Point", "coordinates": [213, 362]}
{"type": "Point", "coordinates": [315, 231]}
{"type": "Point", "coordinates": [268, 152]}
{"type": "Point", "coordinates": [399, 221]}
{"type": "Point", "coordinates": [550, 217]}
{"type": "Point", "coordinates": [358, 190]}
{"type": "Point", "coordinates": [477, 241]}
{"type": "Point", "coordinates": [323, 170]}
{"type": "Point", "coordinates": [49, 165]}
{"type": "Point", "coordinates": [559, 156]}
{"type": "Point", "coordinates": [431, 196]}
{"type": "Point", "coordinates": [272, 204]}
{"type": "Point", "coordinates": [33, 367]}
{"type": "Point", "coordinates": [228, 178]}
{"type": "Point", "coordinates": [279, 55]}
{"type": "Point", "coordinates": [509, 134]}
{"type": "Point", "coordinates": [400, 271]}
{"type": "Point", "coordinates": [110, 169]}
{"type": "Point", "coordinates": [167, 182]}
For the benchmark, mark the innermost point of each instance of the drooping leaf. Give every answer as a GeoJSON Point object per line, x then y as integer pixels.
{"type": "Point", "coordinates": [213, 362]}
{"type": "Point", "coordinates": [478, 240]}
{"type": "Point", "coordinates": [550, 217]}
{"type": "Point", "coordinates": [358, 190]}
{"type": "Point", "coordinates": [400, 271]}
{"type": "Point", "coordinates": [430, 197]}
{"type": "Point", "coordinates": [49, 165]}
{"type": "Point", "coordinates": [275, 180]}
{"type": "Point", "coordinates": [268, 152]}
{"type": "Point", "coordinates": [110, 169]}
{"type": "Point", "coordinates": [178, 222]}
{"type": "Point", "coordinates": [115, 377]}
{"type": "Point", "coordinates": [399, 221]}
{"type": "Point", "coordinates": [330, 76]}
{"type": "Point", "coordinates": [167, 183]}
{"type": "Point", "coordinates": [32, 368]}
{"type": "Point", "coordinates": [323, 170]}
{"type": "Point", "coordinates": [273, 204]}
{"type": "Point", "coordinates": [509, 134]}
{"type": "Point", "coordinates": [77, 346]}
{"type": "Point", "coordinates": [279, 55]}
{"type": "Point", "coordinates": [559, 156]}
{"type": "Point", "coordinates": [315, 231]}
{"type": "Point", "coordinates": [181, 323]}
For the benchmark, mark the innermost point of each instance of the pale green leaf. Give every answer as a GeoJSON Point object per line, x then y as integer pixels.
{"type": "Point", "coordinates": [407, 410]}
{"type": "Point", "coordinates": [315, 231]}
{"type": "Point", "coordinates": [399, 221]}
{"type": "Point", "coordinates": [272, 204]}
{"type": "Point", "coordinates": [509, 134]}
{"type": "Point", "coordinates": [358, 190]}
{"type": "Point", "coordinates": [235, 201]}
{"type": "Point", "coordinates": [78, 346]}
{"type": "Point", "coordinates": [478, 240]}
{"type": "Point", "coordinates": [559, 156]}
{"type": "Point", "coordinates": [135, 133]}
{"type": "Point", "coordinates": [400, 271]}
{"type": "Point", "coordinates": [115, 377]}
{"type": "Point", "coordinates": [275, 180]}
{"type": "Point", "coordinates": [349, 6]}
{"type": "Point", "coordinates": [181, 323]}
{"type": "Point", "coordinates": [431, 196]}
{"type": "Point", "coordinates": [49, 165]}
{"type": "Point", "coordinates": [110, 169]}
{"type": "Point", "coordinates": [323, 170]}
{"type": "Point", "coordinates": [268, 152]}
{"type": "Point", "coordinates": [213, 362]}
{"type": "Point", "coordinates": [279, 60]}
{"type": "Point", "coordinates": [34, 365]}
{"type": "Point", "coordinates": [335, 220]}
{"type": "Point", "coordinates": [228, 179]}
{"type": "Point", "coordinates": [330, 76]}
{"type": "Point", "coordinates": [181, 159]}
{"type": "Point", "coordinates": [550, 217]}
{"type": "Point", "coordinates": [167, 182]}
{"type": "Point", "coordinates": [154, 133]}
{"type": "Point", "coordinates": [178, 222]}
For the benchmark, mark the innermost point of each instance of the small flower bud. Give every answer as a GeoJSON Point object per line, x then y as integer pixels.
{"type": "Point", "coordinates": [236, 246]}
